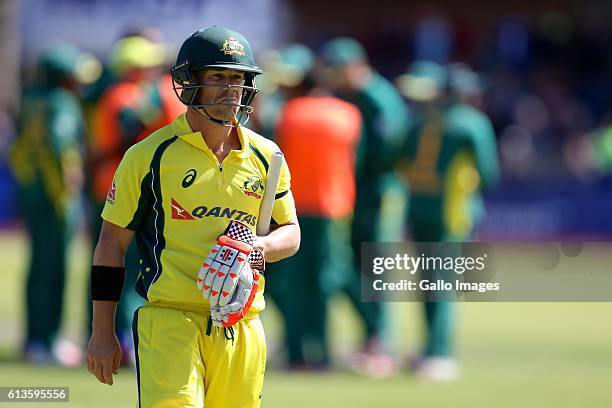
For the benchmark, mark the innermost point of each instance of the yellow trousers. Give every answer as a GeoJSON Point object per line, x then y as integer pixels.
{"type": "Point", "coordinates": [180, 365]}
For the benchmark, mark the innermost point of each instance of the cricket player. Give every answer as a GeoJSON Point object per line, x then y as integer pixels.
{"type": "Point", "coordinates": [46, 160]}
{"type": "Point", "coordinates": [385, 120]}
{"type": "Point", "coordinates": [191, 193]}
{"type": "Point", "coordinates": [448, 157]}
{"type": "Point", "coordinates": [325, 204]}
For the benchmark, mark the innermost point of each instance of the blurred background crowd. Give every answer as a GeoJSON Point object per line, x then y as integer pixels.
{"type": "Point", "coordinates": [399, 121]}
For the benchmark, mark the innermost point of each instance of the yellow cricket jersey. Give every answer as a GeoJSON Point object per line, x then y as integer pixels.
{"type": "Point", "coordinates": [171, 190]}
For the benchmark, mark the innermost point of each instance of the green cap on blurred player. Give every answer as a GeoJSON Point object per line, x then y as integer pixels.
{"type": "Point", "coordinates": [424, 81]}
{"type": "Point", "coordinates": [61, 61]}
{"type": "Point", "coordinates": [287, 67]}
{"type": "Point", "coordinates": [342, 51]}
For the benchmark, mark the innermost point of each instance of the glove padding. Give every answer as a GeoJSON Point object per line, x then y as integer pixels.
{"type": "Point", "coordinates": [229, 278]}
{"type": "Point", "coordinates": [241, 300]}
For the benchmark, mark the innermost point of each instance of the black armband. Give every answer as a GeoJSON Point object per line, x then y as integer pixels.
{"type": "Point", "coordinates": [107, 282]}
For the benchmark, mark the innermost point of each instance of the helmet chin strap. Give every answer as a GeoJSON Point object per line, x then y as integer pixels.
{"type": "Point", "coordinates": [208, 116]}
{"type": "Point", "coordinates": [235, 122]}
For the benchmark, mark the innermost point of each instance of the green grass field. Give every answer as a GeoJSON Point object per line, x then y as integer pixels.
{"type": "Point", "coordinates": [512, 354]}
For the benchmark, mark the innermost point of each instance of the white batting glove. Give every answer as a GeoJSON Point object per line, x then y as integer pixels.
{"type": "Point", "coordinates": [226, 275]}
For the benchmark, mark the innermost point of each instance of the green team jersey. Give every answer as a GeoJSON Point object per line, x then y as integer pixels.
{"type": "Point", "coordinates": [448, 156]}
{"type": "Point", "coordinates": [49, 145]}
{"type": "Point", "coordinates": [385, 123]}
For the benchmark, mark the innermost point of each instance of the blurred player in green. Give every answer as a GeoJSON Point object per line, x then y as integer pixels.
{"type": "Point", "coordinates": [349, 75]}
{"type": "Point", "coordinates": [47, 162]}
{"type": "Point", "coordinates": [449, 156]}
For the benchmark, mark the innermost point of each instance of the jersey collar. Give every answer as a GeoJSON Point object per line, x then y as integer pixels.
{"type": "Point", "coordinates": [183, 130]}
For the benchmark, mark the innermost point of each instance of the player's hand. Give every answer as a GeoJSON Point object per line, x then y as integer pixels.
{"type": "Point", "coordinates": [218, 276]}
{"type": "Point", "coordinates": [240, 300]}
{"type": "Point", "coordinates": [103, 356]}
{"type": "Point", "coordinates": [229, 263]}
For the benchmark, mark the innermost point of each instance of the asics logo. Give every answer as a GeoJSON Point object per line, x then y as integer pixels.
{"type": "Point", "coordinates": [189, 178]}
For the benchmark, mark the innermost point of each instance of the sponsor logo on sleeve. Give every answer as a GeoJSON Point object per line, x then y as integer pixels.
{"type": "Point", "coordinates": [110, 196]}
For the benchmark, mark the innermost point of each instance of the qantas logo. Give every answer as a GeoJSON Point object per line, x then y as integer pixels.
{"type": "Point", "coordinates": [178, 212]}
{"type": "Point", "coordinates": [201, 211]}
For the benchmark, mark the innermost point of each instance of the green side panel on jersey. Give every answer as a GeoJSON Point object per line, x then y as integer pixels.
{"type": "Point", "coordinates": [143, 203]}
{"type": "Point", "coordinates": [260, 156]}
{"type": "Point", "coordinates": [150, 234]}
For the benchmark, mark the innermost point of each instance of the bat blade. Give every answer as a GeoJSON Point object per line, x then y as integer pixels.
{"type": "Point", "coordinates": [267, 202]}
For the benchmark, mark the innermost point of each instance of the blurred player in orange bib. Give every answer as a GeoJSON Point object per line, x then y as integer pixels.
{"type": "Point", "coordinates": [319, 134]}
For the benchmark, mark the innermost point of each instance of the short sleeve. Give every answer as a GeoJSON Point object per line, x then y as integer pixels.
{"type": "Point", "coordinates": [127, 199]}
{"type": "Point", "coordinates": [284, 205]}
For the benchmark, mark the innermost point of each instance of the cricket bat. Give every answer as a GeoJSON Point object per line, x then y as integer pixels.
{"type": "Point", "coordinates": [269, 195]}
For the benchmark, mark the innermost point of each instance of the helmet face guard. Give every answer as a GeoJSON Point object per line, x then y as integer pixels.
{"type": "Point", "coordinates": [186, 89]}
